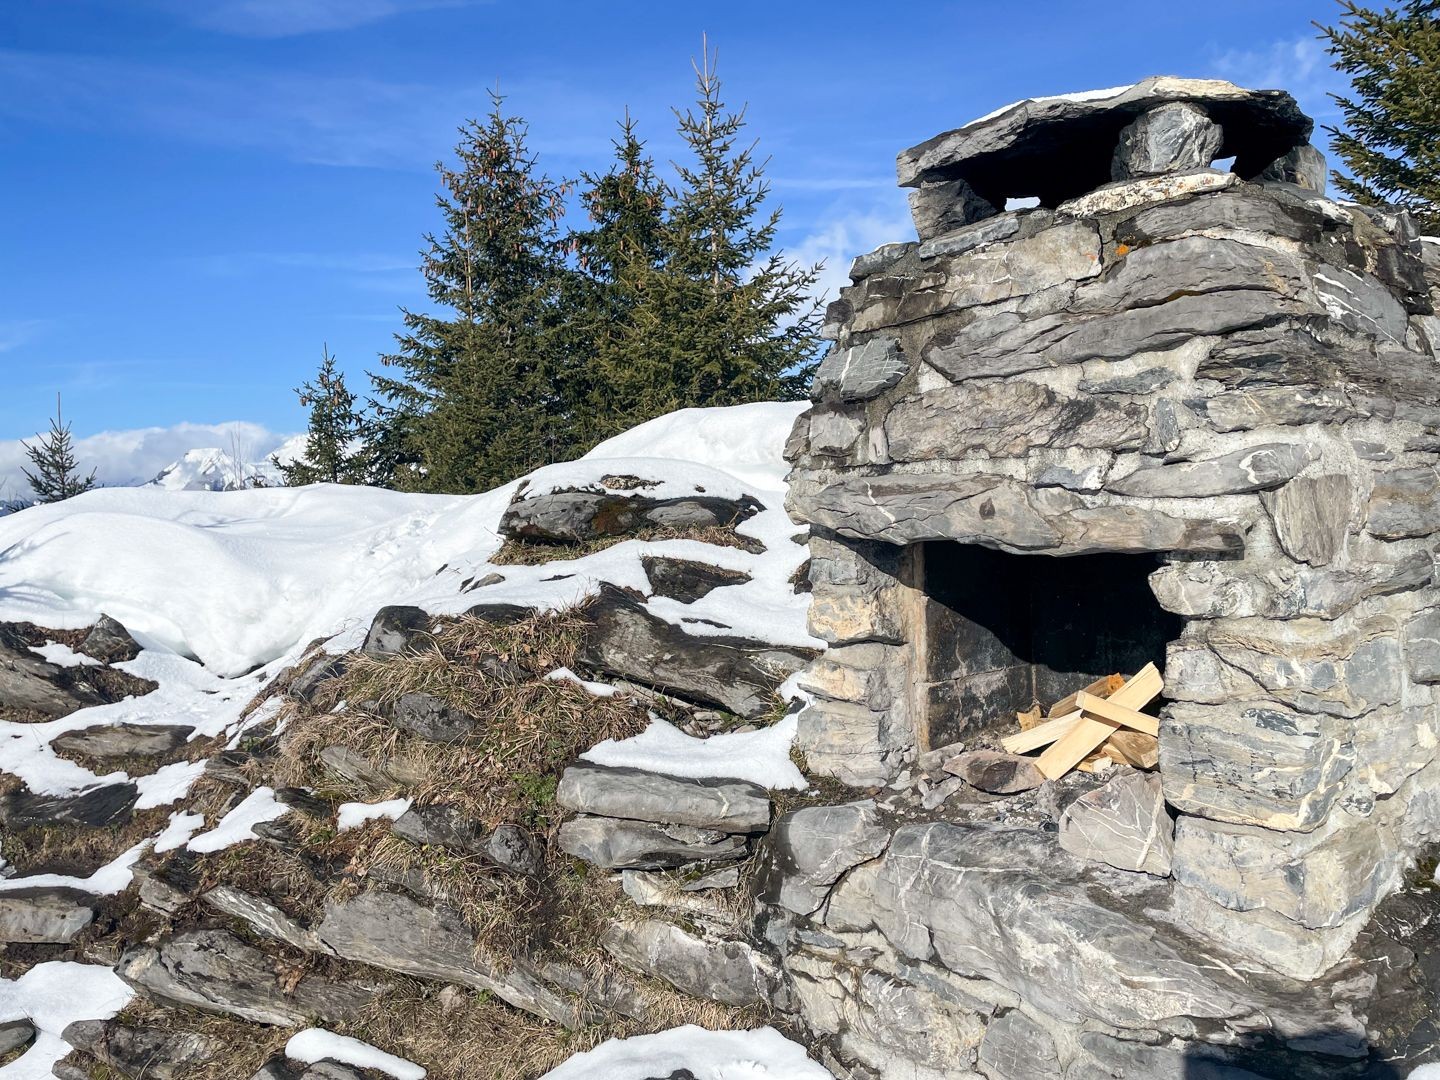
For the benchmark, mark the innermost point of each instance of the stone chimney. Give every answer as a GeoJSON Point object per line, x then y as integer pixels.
{"type": "Point", "coordinates": [1186, 409]}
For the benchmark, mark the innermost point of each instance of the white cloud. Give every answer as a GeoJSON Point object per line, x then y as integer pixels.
{"type": "Point", "coordinates": [286, 18]}
{"type": "Point", "coordinates": [17, 332]}
{"type": "Point", "coordinates": [847, 233]}
{"type": "Point", "coordinates": [1299, 65]}
{"type": "Point", "coordinates": [127, 457]}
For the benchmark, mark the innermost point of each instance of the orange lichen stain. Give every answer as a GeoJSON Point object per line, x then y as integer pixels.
{"type": "Point", "coordinates": [1122, 250]}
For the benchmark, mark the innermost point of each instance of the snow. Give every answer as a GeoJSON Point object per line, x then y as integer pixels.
{"type": "Point", "coordinates": [257, 808]}
{"type": "Point", "coordinates": [168, 784]}
{"type": "Point", "coordinates": [1425, 1072]}
{"type": "Point", "coordinates": [762, 1054]}
{"type": "Point", "coordinates": [61, 655]}
{"type": "Point", "coordinates": [112, 878]}
{"type": "Point", "coordinates": [762, 757]}
{"type": "Point", "coordinates": [1079, 95]}
{"type": "Point", "coordinates": [657, 478]}
{"type": "Point", "coordinates": [317, 1044]}
{"type": "Point", "coordinates": [52, 996]}
{"type": "Point", "coordinates": [352, 815]}
{"type": "Point", "coordinates": [214, 469]}
{"type": "Point", "coordinates": [595, 689]}
{"type": "Point", "coordinates": [183, 825]}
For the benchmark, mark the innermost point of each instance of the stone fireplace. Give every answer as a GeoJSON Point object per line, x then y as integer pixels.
{"type": "Point", "coordinates": [1174, 413]}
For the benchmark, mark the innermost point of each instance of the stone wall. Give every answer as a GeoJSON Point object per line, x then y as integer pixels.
{"type": "Point", "coordinates": [1222, 367]}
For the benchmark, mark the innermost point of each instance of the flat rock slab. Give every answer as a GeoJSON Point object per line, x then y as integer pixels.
{"type": "Point", "coordinates": [736, 673]}
{"type": "Point", "coordinates": [432, 718]}
{"type": "Point", "coordinates": [214, 971]}
{"type": "Point", "coordinates": [124, 740]}
{"type": "Point", "coordinates": [1123, 823]}
{"type": "Point", "coordinates": [730, 972]}
{"type": "Point", "coordinates": [109, 642]}
{"type": "Point", "coordinates": [859, 372]}
{"type": "Point", "coordinates": [110, 804]}
{"type": "Point", "coordinates": [997, 773]}
{"type": "Point", "coordinates": [574, 516]}
{"type": "Point", "coordinates": [1256, 468]}
{"type": "Point", "coordinates": [686, 580]}
{"type": "Point", "coordinates": [15, 1034]}
{"type": "Point", "coordinates": [149, 1052]}
{"type": "Point", "coordinates": [1057, 147]}
{"type": "Point", "coordinates": [730, 806]}
{"type": "Point", "coordinates": [613, 844]}
{"type": "Point", "coordinates": [53, 915]}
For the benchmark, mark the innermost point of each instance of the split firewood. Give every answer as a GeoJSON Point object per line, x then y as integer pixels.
{"type": "Point", "coordinates": [1090, 731]}
{"type": "Point", "coordinates": [1134, 748]}
{"type": "Point", "coordinates": [1109, 709]}
{"type": "Point", "coordinates": [1042, 734]}
{"type": "Point", "coordinates": [1033, 716]}
{"type": "Point", "coordinates": [1101, 687]}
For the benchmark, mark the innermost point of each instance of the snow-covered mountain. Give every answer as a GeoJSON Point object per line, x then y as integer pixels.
{"type": "Point", "coordinates": [214, 469]}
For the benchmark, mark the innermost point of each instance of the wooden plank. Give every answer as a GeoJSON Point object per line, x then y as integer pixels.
{"type": "Point", "coordinates": [1091, 705]}
{"type": "Point", "coordinates": [1030, 717]}
{"type": "Point", "coordinates": [1042, 734]}
{"type": "Point", "coordinates": [1136, 748]}
{"type": "Point", "coordinates": [1101, 687]}
{"type": "Point", "coordinates": [1090, 731]}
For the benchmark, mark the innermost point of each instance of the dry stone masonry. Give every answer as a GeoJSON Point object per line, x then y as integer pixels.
{"type": "Point", "coordinates": [1184, 411]}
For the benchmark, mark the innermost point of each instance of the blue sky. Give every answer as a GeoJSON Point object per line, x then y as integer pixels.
{"type": "Point", "coordinates": [198, 193]}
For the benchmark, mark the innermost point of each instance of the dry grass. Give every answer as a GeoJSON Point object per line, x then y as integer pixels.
{"type": "Point", "coordinates": [77, 849]}
{"type": "Point", "coordinates": [536, 553]}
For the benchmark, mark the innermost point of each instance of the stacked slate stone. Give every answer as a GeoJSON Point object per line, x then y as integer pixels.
{"type": "Point", "coordinates": [1216, 365]}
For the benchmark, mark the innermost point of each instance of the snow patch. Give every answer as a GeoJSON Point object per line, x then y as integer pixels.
{"type": "Point", "coordinates": [317, 1044]}
{"type": "Point", "coordinates": [112, 878]}
{"type": "Point", "coordinates": [762, 757]}
{"type": "Point", "coordinates": [52, 996]}
{"type": "Point", "coordinates": [762, 1054]}
{"type": "Point", "coordinates": [183, 825]}
{"type": "Point", "coordinates": [352, 815]}
{"type": "Point", "coordinates": [595, 689]}
{"type": "Point", "coordinates": [257, 808]}
{"type": "Point", "coordinates": [61, 655]}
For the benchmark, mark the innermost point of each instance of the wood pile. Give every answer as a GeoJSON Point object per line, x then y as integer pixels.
{"type": "Point", "coordinates": [1094, 728]}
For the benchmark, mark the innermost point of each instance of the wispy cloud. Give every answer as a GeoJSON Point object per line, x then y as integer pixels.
{"type": "Point", "coordinates": [127, 457]}
{"type": "Point", "coordinates": [850, 231]}
{"type": "Point", "coordinates": [17, 332]}
{"type": "Point", "coordinates": [287, 18]}
{"type": "Point", "coordinates": [1299, 65]}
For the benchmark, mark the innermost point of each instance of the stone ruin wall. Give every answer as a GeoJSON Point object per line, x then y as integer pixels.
{"type": "Point", "coordinates": [1225, 367]}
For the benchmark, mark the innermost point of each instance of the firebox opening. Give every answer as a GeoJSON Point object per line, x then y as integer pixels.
{"type": "Point", "coordinates": [1003, 631]}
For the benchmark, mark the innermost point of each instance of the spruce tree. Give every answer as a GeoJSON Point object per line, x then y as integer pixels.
{"type": "Point", "coordinates": [57, 471]}
{"type": "Point", "coordinates": [332, 451]}
{"type": "Point", "coordinates": [741, 320]}
{"type": "Point", "coordinates": [1390, 142]}
{"type": "Point", "coordinates": [479, 398]}
{"type": "Point", "coordinates": [628, 375]}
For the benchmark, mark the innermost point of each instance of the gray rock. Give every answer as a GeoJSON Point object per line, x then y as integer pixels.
{"type": "Point", "coordinates": [107, 804]}
{"type": "Point", "coordinates": [1318, 879]}
{"type": "Point", "coordinates": [1017, 1048]}
{"type": "Point", "coordinates": [124, 740]}
{"type": "Point", "coordinates": [431, 941]}
{"type": "Point", "coordinates": [1404, 503]}
{"type": "Point", "coordinates": [396, 629]}
{"type": "Point", "coordinates": [613, 844]}
{"type": "Point", "coordinates": [44, 914]}
{"type": "Point", "coordinates": [732, 806]}
{"type": "Point", "coordinates": [1312, 516]}
{"type": "Point", "coordinates": [1303, 166]}
{"type": "Point", "coordinates": [34, 685]}
{"type": "Point", "coordinates": [685, 580]}
{"type": "Point", "coordinates": [148, 1053]}
{"type": "Point", "coordinates": [434, 719]}
{"type": "Point", "coordinates": [730, 972]}
{"type": "Point", "coordinates": [1253, 763]}
{"type": "Point", "coordinates": [814, 846]}
{"type": "Point", "coordinates": [1104, 1057]}
{"type": "Point", "coordinates": [1007, 419]}
{"type": "Point", "coordinates": [1048, 146]}
{"type": "Point", "coordinates": [1123, 823]}
{"type": "Point", "coordinates": [15, 1034]}
{"type": "Point", "coordinates": [512, 848]}
{"type": "Point", "coordinates": [997, 773]}
{"type": "Point", "coordinates": [618, 507]}
{"type": "Point", "coordinates": [1263, 406]}
{"type": "Point", "coordinates": [306, 685]}
{"type": "Point", "coordinates": [262, 917]}
{"type": "Point", "coordinates": [939, 206]}
{"type": "Point", "coordinates": [735, 673]}
{"type": "Point", "coordinates": [440, 825]}
{"type": "Point", "coordinates": [859, 372]}
{"type": "Point", "coordinates": [1255, 468]}
{"type": "Point", "coordinates": [1422, 646]}
{"type": "Point", "coordinates": [969, 237]}
{"type": "Point", "coordinates": [1005, 904]}
{"type": "Point", "coordinates": [1174, 137]}
{"type": "Point", "coordinates": [109, 642]}
{"type": "Point", "coordinates": [214, 971]}
{"type": "Point", "coordinates": [882, 258]}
